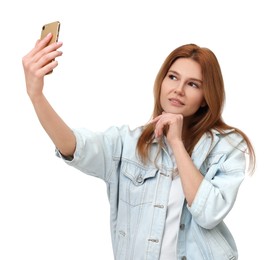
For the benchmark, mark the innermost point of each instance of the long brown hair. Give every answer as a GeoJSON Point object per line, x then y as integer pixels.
{"type": "Point", "coordinates": [207, 117]}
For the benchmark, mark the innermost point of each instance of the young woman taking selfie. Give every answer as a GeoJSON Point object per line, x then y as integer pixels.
{"type": "Point", "coordinates": [172, 181]}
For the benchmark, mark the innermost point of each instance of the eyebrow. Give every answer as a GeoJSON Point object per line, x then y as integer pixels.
{"type": "Point", "coordinates": [194, 79]}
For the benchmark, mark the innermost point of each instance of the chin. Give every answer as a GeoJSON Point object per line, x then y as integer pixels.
{"type": "Point", "coordinates": [173, 111]}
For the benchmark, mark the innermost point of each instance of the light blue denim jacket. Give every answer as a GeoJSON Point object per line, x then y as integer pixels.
{"type": "Point", "coordinates": [139, 193]}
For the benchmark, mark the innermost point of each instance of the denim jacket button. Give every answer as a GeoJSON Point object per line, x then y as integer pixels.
{"type": "Point", "coordinates": [139, 179]}
{"type": "Point", "coordinates": [184, 258]}
{"type": "Point", "coordinates": [182, 226]}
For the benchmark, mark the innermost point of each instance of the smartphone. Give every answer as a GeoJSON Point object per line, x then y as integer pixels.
{"type": "Point", "coordinates": [53, 28]}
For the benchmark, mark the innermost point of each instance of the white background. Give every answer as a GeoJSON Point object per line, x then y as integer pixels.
{"type": "Point", "coordinates": [112, 52]}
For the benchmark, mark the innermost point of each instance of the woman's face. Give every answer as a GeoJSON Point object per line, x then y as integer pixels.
{"type": "Point", "coordinates": [181, 89]}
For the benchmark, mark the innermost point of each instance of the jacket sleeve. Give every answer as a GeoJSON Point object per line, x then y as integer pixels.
{"type": "Point", "coordinates": [218, 190]}
{"type": "Point", "coordinates": [96, 152]}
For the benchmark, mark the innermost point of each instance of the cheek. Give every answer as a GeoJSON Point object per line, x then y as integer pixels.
{"type": "Point", "coordinates": [166, 88]}
{"type": "Point", "coordinates": [198, 101]}
{"type": "Point", "coordinates": [161, 99]}
{"type": "Point", "coordinates": [163, 94]}
{"type": "Point", "coordinates": [202, 101]}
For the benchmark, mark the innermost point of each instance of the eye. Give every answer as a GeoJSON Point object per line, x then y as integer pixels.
{"type": "Point", "coordinates": [193, 84]}
{"type": "Point", "coordinates": [172, 77]}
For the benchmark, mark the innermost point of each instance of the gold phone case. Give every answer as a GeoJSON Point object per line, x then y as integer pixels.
{"type": "Point", "coordinates": [51, 28]}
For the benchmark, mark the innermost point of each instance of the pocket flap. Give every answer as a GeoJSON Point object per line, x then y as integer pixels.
{"type": "Point", "coordinates": [136, 173]}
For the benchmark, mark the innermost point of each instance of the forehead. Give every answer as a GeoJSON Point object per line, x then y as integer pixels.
{"type": "Point", "coordinates": [187, 67]}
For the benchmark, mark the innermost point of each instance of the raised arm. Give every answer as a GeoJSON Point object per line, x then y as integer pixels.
{"type": "Point", "coordinates": [37, 63]}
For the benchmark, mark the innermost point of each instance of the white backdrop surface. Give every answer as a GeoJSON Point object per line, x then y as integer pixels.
{"type": "Point", "coordinates": [112, 52]}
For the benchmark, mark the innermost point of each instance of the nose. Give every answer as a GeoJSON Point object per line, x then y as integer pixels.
{"type": "Point", "coordinates": [179, 90]}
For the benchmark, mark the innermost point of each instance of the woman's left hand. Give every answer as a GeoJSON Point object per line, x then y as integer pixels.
{"type": "Point", "coordinates": [169, 124]}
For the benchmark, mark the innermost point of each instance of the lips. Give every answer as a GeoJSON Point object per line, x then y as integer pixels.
{"type": "Point", "coordinates": [176, 102]}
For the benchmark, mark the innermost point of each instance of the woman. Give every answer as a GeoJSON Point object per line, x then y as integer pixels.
{"type": "Point", "coordinates": [171, 182]}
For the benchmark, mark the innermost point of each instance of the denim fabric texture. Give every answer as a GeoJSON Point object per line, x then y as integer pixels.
{"type": "Point", "coordinates": [138, 193]}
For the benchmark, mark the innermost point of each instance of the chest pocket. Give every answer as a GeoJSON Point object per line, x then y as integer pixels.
{"type": "Point", "coordinates": [137, 184]}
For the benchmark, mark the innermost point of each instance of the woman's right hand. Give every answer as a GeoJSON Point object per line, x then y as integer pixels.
{"type": "Point", "coordinates": [39, 62]}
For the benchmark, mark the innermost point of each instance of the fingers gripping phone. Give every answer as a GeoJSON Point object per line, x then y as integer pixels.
{"type": "Point", "coordinates": [52, 28]}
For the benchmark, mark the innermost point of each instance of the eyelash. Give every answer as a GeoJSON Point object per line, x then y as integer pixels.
{"type": "Point", "coordinates": [192, 84]}
{"type": "Point", "coordinates": [172, 77]}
